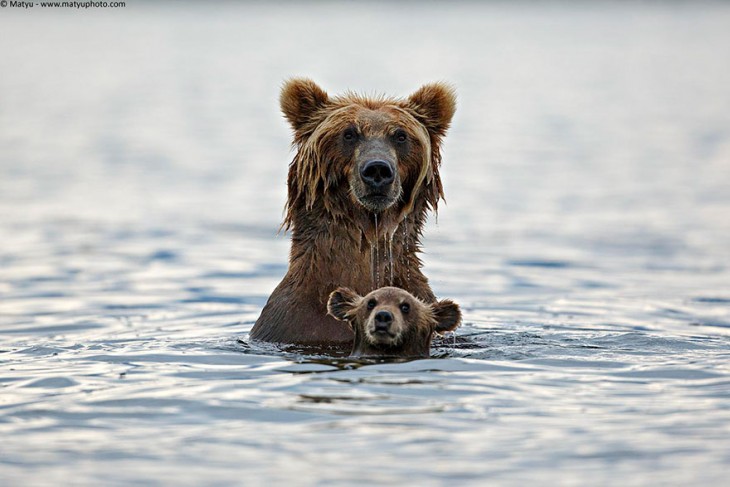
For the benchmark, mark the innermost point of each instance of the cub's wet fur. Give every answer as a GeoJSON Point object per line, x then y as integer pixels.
{"type": "Point", "coordinates": [391, 322]}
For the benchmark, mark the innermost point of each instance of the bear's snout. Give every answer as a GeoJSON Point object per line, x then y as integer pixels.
{"type": "Point", "coordinates": [377, 175]}
{"type": "Point", "coordinates": [374, 180]}
{"type": "Point", "coordinates": [383, 320]}
{"type": "Point", "coordinates": [383, 328]}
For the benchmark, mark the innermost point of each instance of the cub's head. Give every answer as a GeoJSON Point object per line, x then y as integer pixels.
{"type": "Point", "coordinates": [392, 322]}
{"type": "Point", "coordinates": [374, 152]}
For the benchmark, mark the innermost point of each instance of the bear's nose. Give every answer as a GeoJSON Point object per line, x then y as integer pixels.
{"type": "Point", "coordinates": [383, 319]}
{"type": "Point", "coordinates": [377, 174]}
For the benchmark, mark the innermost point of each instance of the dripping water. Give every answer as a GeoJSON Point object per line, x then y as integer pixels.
{"type": "Point", "coordinates": [387, 254]}
{"type": "Point", "coordinates": [376, 264]}
{"type": "Point", "coordinates": [390, 254]}
{"type": "Point", "coordinates": [405, 252]}
{"type": "Point", "coordinates": [372, 265]}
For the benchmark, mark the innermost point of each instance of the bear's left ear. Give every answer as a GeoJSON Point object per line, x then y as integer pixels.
{"type": "Point", "coordinates": [300, 99]}
{"type": "Point", "coordinates": [341, 303]}
{"type": "Point", "coordinates": [447, 314]}
{"type": "Point", "coordinates": [434, 105]}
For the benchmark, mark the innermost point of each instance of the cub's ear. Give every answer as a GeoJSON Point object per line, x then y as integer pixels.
{"type": "Point", "coordinates": [300, 99]}
{"type": "Point", "coordinates": [342, 302]}
{"type": "Point", "coordinates": [447, 315]}
{"type": "Point", "coordinates": [434, 106]}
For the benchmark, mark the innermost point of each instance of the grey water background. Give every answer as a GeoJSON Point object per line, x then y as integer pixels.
{"type": "Point", "coordinates": [587, 234]}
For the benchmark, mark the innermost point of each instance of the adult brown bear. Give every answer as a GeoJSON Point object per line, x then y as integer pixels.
{"type": "Point", "coordinates": [365, 174]}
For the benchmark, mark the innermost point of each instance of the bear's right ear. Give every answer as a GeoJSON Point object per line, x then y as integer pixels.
{"type": "Point", "coordinates": [300, 99]}
{"type": "Point", "coordinates": [342, 302]}
{"type": "Point", "coordinates": [434, 106]}
{"type": "Point", "coordinates": [447, 314]}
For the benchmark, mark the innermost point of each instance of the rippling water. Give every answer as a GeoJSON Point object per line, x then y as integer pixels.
{"type": "Point", "coordinates": [586, 236]}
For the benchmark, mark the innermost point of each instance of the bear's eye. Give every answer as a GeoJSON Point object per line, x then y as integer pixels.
{"type": "Point", "coordinates": [405, 308]}
{"type": "Point", "coordinates": [350, 135]}
{"type": "Point", "coordinates": [372, 303]}
{"type": "Point", "coordinates": [401, 136]}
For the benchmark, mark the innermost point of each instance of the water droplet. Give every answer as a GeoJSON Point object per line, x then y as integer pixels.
{"type": "Point", "coordinates": [372, 264]}
{"type": "Point", "coordinates": [377, 253]}
{"type": "Point", "coordinates": [390, 255]}
{"type": "Point", "coordinates": [405, 252]}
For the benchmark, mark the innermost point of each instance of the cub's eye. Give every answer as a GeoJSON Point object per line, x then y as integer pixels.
{"type": "Point", "coordinates": [405, 308]}
{"type": "Point", "coordinates": [401, 136]}
{"type": "Point", "coordinates": [372, 303]}
{"type": "Point", "coordinates": [350, 135]}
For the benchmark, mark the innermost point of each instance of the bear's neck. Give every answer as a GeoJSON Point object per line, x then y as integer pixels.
{"type": "Point", "coordinates": [362, 251]}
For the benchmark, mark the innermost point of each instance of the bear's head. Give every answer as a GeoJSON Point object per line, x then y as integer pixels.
{"type": "Point", "coordinates": [375, 152]}
{"type": "Point", "coordinates": [390, 321]}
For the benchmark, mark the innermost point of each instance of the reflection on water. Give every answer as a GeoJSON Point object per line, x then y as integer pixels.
{"type": "Point", "coordinates": [142, 169]}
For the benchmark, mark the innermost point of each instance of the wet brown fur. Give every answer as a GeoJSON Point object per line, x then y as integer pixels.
{"type": "Point", "coordinates": [412, 330]}
{"type": "Point", "coordinates": [333, 234]}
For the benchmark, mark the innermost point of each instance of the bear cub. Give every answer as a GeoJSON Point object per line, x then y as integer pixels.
{"type": "Point", "coordinates": [391, 322]}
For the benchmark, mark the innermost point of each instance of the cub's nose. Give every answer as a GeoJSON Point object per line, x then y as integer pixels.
{"type": "Point", "coordinates": [377, 174]}
{"type": "Point", "coordinates": [383, 319]}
